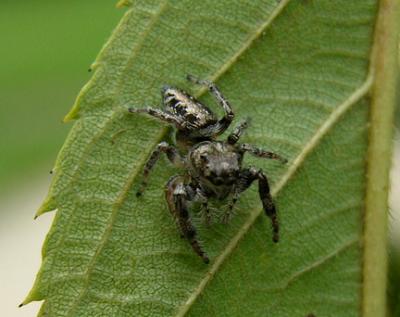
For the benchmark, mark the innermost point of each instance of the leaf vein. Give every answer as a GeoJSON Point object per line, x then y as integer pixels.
{"type": "Point", "coordinates": [258, 32]}
{"type": "Point", "coordinates": [319, 262]}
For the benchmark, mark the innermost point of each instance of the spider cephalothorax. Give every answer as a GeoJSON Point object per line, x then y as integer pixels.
{"type": "Point", "coordinates": [193, 120]}
{"type": "Point", "coordinates": [212, 169]}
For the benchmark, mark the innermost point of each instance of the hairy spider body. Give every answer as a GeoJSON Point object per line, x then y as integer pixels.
{"type": "Point", "coordinates": [213, 169]}
{"type": "Point", "coordinates": [193, 120]}
{"type": "Point", "coordinates": [216, 167]}
{"type": "Point", "coordinates": [190, 112]}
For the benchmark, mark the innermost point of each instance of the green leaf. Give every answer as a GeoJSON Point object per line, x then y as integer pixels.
{"type": "Point", "coordinates": [302, 71]}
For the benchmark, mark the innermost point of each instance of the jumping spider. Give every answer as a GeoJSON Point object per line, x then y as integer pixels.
{"type": "Point", "coordinates": [213, 169]}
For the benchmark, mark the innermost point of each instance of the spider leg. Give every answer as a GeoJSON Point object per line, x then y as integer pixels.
{"type": "Point", "coordinates": [207, 212]}
{"type": "Point", "coordinates": [177, 199]}
{"type": "Point", "coordinates": [228, 213]}
{"type": "Point", "coordinates": [268, 204]}
{"type": "Point", "coordinates": [172, 154]}
{"type": "Point", "coordinates": [201, 197]}
{"type": "Point", "coordinates": [237, 132]}
{"type": "Point", "coordinates": [251, 174]}
{"type": "Point", "coordinates": [159, 114]}
{"type": "Point", "coordinates": [224, 123]}
{"type": "Point", "coordinates": [245, 147]}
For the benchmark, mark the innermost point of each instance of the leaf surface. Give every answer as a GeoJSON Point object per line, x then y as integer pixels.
{"type": "Point", "coordinates": [300, 71]}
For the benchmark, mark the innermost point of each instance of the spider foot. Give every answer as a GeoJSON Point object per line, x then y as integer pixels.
{"type": "Point", "coordinates": [141, 189]}
{"type": "Point", "coordinates": [198, 81]}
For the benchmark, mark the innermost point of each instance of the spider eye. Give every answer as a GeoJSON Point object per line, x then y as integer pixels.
{"type": "Point", "coordinates": [203, 158]}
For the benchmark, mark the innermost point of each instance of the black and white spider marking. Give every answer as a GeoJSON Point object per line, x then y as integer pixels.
{"type": "Point", "coordinates": [193, 120]}
{"type": "Point", "coordinates": [212, 169]}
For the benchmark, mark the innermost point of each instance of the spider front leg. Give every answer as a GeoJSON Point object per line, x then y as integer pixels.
{"type": "Point", "coordinates": [177, 198]}
{"type": "Point", "coordinates": [159, 114]}
{"type": "Point", "coordinates": [237, 132]}
{"type": "Point", "coordinates": [224, 123]}
{"type": "Point", "coordinates": [245, 147]}
{"type": "Point", "coordinates": [172, 154]}
{"type": "Point", "coordinates": [247, 176]}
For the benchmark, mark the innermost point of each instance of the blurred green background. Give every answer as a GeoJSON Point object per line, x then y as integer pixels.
{"type": "Point", "coordinates": [45, 52]}
{"type": "Point", "coordinates": [47, 48]}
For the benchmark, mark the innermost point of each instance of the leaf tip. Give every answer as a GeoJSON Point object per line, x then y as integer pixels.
{"type": "Point", "coordinates": [123, 3]}
{"type": "Point", "coordinates": [73, 114]}
{"type": "Point", "coordinates": [34, 295]}
{"type": "Point", "coordinates": [48, 205]}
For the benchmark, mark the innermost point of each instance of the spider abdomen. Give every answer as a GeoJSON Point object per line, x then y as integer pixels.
{"type": "Point", "coordinates": [190, 111]}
